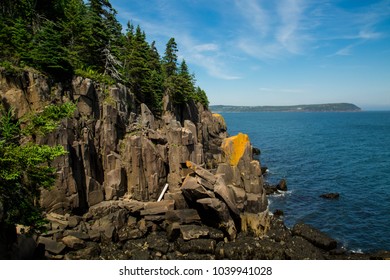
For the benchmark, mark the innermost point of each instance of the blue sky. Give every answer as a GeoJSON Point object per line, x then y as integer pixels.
{"type": "Point", "coordinates": [276, 52]}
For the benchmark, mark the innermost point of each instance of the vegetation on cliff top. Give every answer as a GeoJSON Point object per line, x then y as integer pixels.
{"type": "Point", "coordinates": [63, 38]}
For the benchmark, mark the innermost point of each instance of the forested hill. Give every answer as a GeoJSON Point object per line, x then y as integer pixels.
{"type": "Point", "coordinates": [331, 107]}
{"type": "Point", "coordinates": [76, 37]}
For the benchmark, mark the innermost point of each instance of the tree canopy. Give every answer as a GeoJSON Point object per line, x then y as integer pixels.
{"type": "Point", "coordinates": [62, 38]}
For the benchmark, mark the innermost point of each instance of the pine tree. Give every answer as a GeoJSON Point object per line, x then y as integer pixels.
{"type": "Point", "coordinates": [170, 58]}
{"type": "Point", "coordinates": [103, 35]}
{"type": "Point", "coordinates": [48, 55]}
{"type": "Point", "coordinates": [201, 96]}
{"type": "Point", "coordinates": [74, 28]}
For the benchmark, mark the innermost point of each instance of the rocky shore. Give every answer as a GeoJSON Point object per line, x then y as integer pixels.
{"type": "Point", "coordinates": [138, 186]}
{"type": "Point", "coordinates": [130, 230]}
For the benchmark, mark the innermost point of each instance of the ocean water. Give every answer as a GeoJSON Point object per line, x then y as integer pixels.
{"type": "Point", "coordinates": [317, 153]}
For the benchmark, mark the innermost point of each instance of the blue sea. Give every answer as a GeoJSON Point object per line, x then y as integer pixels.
{"type": "Point", "coordinates": [318, 153]}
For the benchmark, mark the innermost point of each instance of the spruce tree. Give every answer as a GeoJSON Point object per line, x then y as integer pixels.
{"type": "Point", "coordinates": [170, 58]}
{"type": "Point", "coordinates": [47, 53]}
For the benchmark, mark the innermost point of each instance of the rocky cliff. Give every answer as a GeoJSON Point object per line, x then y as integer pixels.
{"type": "Point", "coordinates": [121, 158]}
{"type": "Point", "coordinates": [120, 153]}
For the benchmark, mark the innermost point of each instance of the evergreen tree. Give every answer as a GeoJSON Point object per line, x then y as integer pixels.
{"type": "Point", "coordinates": [103, 33]}
{"type": "Point", "coordinates": [74, 28]}
{"type": "Point", "coordinates": [48, 54]}
{"type": "Point", "coordinates": [200, 96]}
{"type": "Point", "coordinates": [170, 58]}
{"type": "Point", "coordinates": [187, 79]}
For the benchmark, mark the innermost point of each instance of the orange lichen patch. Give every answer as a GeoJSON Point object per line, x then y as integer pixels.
{"type": "Point", "coordinates": [234, 147]}
{"type": "Point", "coordinates": [190, 165]}
{"type": "Point", "coordinates": [220, 119]}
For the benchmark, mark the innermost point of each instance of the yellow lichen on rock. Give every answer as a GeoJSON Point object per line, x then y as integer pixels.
{"type": "Point", "coordinates": [220, 119]}
{"type": "Point", "coordinates": [234, 147]}
{"type": "Point", "coordinates": [258, 224]}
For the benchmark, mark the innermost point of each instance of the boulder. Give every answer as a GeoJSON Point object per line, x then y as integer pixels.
{"type": "Point", "coordinates": [182, 216]}
{"type": "Point", "coordinates": [314, 236]}
{"type": "Point", "coordinates": [51, 245]}
{"type": "Point", "coordinates": [78, 234]}
{"type": "Point", "coordinates": [282, 185]}
{"type": "Point", "coordinates": [73, 242]}
{"type": "Point", "coordinates": [193, 191]}
{"type": "Point", "coordinates": [158, 242]}
{"type": "Point", "coordinates": [299, 248]}
{"type": "Point", "coordinates": [215, 213]}
{"type": "Point", "coordinates": [189, 232]}
{"type": "Point", "coordinates": [161, 207]}
{"type": "Point", "coordinates": [203, 173]}
{"type": "Point", "coordinates": [90, 252]}
{"type": "Point", "coordinates": [228, 195]}
{"type": "Point", "coordinates": [173, 231]}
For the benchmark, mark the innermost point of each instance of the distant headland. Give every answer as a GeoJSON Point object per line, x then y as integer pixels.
{"type": "Point", "coordinates": [329, 107]}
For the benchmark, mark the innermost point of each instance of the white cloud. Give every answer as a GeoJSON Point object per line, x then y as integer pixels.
{"type": "Point", "coordinates": [290, 13]}
{"type": "Point", "coordinates": [206, 47]}
{"type": "Point", "coordinates": [281, 90]}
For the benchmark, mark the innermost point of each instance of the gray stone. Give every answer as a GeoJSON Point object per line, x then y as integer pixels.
{"type": "Point", "coordinates": [314, 236]}
{"type": "Point", "coordinates": [189, 232]}
{"type": "Point", "coordinates": [73, 242]}
{"type": "Point", "coordinates": [78, 234]}
{"type": "Point", "coordinates": [127, 233]}
{"type": "Point", "coordinates": [193, 191]}
{"type": "Point", "coordinates": [73, 221]}
{"type": "Point", "coordinates": [51, 245]}
{"type": "Point", "coordinates": [227, 195]}
{"type": "Point", "coordinates": [147, 118]}
{"type": "Point", "coordinates": [183, 216]}
{"type": "Point", "coordinates": [158, 242]}
{"type": "Point", "coordinates": [216, 214]}
{"type": "Point", "coordinates": [161, 207]}
{"type": "Point", "coordinates": [173, 231]}
{"type": "Point", "coordinates": [90, 252]}
{"type": "Point", "coordinates": [205, 174]}
{"type": "Point", "coordinates": [178, 197]}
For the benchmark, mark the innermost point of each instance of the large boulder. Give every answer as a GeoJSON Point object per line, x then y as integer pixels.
{"type": "Point", "coordinates": [314, 236]}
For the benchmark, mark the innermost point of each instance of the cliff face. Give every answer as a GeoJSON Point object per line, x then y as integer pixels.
{"type": "Point", "coordinates": [118, 150]}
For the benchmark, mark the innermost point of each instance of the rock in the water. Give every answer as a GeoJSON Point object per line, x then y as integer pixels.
{"type": "Point", "coordinates": [282, 185]}
{"type": "Point", "coordinates": [330, 195]}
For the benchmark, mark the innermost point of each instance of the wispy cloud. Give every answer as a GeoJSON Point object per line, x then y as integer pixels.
{"type": "Point", "coordinates": [278, 29]}
{"type": "Point", "coordinates": [288, 35]}
{"type": "Point", "coordinates": [281, 90]}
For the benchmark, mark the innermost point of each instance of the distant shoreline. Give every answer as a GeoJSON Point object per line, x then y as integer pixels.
{"type": "Point", "coordinates": [329, 107]}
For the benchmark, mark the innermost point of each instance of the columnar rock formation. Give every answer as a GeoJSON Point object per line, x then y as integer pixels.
{"type": "Point", "coordinates": [118, 150]}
